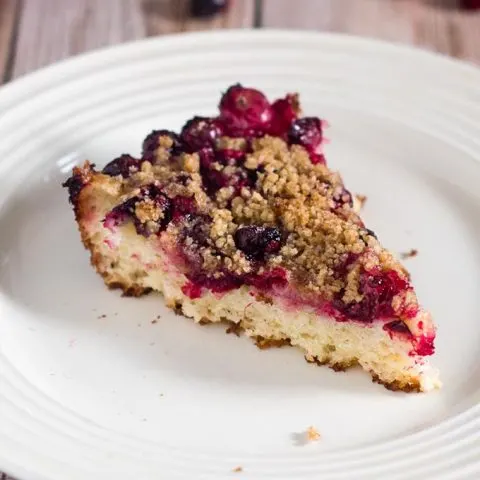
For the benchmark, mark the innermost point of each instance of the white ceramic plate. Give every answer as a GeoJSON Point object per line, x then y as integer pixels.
{"type": "Point", "coordinates": [91, 388]}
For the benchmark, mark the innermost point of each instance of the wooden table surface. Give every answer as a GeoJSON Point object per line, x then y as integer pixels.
{"type": "Point", "coordinates": [35, 33]}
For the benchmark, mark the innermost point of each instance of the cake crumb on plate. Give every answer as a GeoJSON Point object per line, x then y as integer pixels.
{"type": "Point", "coordinates": [312, 434]}
{"type": "Point", "coordinates": [413, 252]}
{"type": "Point", "coordinates": [237, 469]}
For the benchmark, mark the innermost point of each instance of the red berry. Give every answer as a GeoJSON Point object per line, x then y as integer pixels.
{"type": "Point", "coordinates": [285, 111]}
{"type": "Point", "coordinates": [307, 132]}
{"type": "Point", "coordinates": [242, 109]}
{"type": "Point", "coordinates": [124, 165]}
{"type": "Point", "coordinates": [201, 132]}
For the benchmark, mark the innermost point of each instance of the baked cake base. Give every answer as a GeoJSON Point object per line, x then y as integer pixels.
{"type": "Point", "coordinates": [118, 255]}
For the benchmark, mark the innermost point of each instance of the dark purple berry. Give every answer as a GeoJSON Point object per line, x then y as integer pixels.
{"type": "Point", "coordinates": [126, 210]}
{"type": "Point", "coordinates": [201, 132]}
{"type": "Point", "coordinates": [342, 196]}
{"type": "Point", "coordinates": [153, 141]}
{"type": "Point", "coordinates": [306, 131]}
{"type": "Point", "coordinates": [124, 165]}
{"type": "Point", "coordinates": [243, 109]}
{"type": "Point", "coordinates": [206, 8]}
{"type": "Point", "coordinates": [74, 184]}
{"type": "Point", "coordinates": [257, 241]}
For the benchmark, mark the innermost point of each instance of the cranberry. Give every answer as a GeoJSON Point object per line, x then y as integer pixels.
{"type": "Point", "coordinates": [317, 158]}
{"type": "Point", "coordinates": [200, 132]}
{"type": "Point", "coordinates": [206, 8]}
{"type": "Point", "coordinates": [266, 281]}
{"type": "Point", "coordinates": [230, 157]}
{"type": "Point", "coordinates": [425, 346]}
{"type": "Point", "coordinates": [306, 131]}
{"type": "Point", "coordinates": [342, 196]}
{"type": "Point", "coordinates": [257, 241]}
{"type": "Point", "coordinates": [183, 206]}
{"type": "Point", "coordinates": [192, 290]}
{"type": "Point", "coordinates": [284, 113]}
{"type": "Point", "coordinates": [151, 143]}
{"type": "Point", "coordinates": [124, 165]}
{"type": "Point", "coordinates": [126, 210]}
{"type": "Point", "coordinates": [74, 184]}
{"type": "Point", "coordinates": [120, 214]}
{"type": "Point", "coordinates": [378, 289]}
{"type": "Point", "coordinates": [220, 284]}
{"type": "Point", "coordinates": [242, 109]}
{"type": "Point", "coordinates": [396, 326]}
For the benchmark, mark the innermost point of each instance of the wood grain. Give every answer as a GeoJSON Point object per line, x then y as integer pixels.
{"type": "Point", "coordinates": [51, 30]}
{"type": "Point", "coordinates": [432, 25]}
{"type": "Point", "coordinates": [167, 16]}
{"type": "Point", "coordinates": [8, 16]}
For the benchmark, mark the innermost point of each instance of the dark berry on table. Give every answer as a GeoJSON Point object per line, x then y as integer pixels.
{"type": "Point", "coordinates": [307, 132]}
{"type": "Point", "coordinates": [200, 132]}
{"type": "Point", "coordinates": [243, 109]}
{"type": "Point", "coordinates": [284, 112]}
{"type": "Point", "coordinates": [124, 165]}
{"type": "Point", "coordinates": [156, 138]}
{"type": "Point", "coordinates": [257, 241]}
{"type": "Point", "coordinates": [206, 8]}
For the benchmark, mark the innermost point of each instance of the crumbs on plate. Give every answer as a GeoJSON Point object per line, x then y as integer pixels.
{"type": "Point", "coordinates": [410, 254]}
{"type": "Point", "coordinates": [312, 434]}
{"type": "Point", "coordinates": [237, 469]}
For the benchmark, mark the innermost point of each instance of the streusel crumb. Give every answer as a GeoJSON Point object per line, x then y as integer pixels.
{"type": "Point", "coordinates": [312, 434]}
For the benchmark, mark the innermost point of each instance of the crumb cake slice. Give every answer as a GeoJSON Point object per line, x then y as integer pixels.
{"type": "Point", "coordinates": [238, 219]}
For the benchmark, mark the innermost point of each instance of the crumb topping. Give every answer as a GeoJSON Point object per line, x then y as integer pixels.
{"type": "Point", "coordinates": [240, 205]}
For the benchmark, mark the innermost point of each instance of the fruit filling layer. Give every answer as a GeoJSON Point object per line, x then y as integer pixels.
{"type": "Point", "coordinates": [246, 198]}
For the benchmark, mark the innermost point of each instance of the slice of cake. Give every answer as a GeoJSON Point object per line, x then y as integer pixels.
{"type": "Point", "coordinates": [238, 219]}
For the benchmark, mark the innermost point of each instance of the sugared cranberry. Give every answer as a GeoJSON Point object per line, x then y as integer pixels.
{"type": "Point", "coordinates": [124, 165]}
{"type": "Point", "coordinates": [244, 108]}
{"type": "Point", "coordinates": [307, 132]}
{"type": "Point", "coordinates": [284, 112]}
{"type": "Point", "coordinates": [200, 132]}
{"type": "Point", "coordinates": [152, 142]}
{"type": "Point", "coordinates": [206, 8]}
{"type": "Point", "coordinates": [257, 241]}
